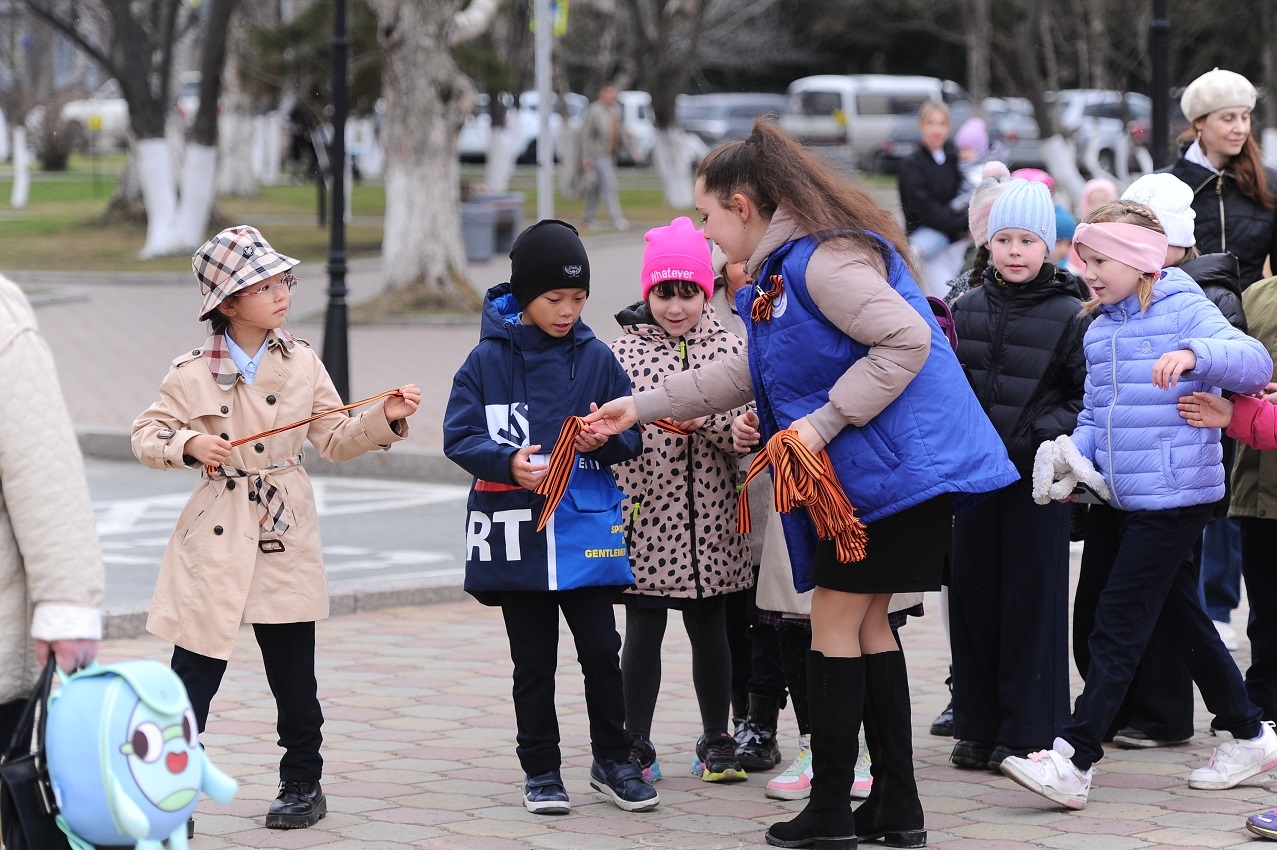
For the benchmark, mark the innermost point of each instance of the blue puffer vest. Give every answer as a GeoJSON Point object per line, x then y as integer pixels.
{"type": "Point", "coordinates": [932, 439]}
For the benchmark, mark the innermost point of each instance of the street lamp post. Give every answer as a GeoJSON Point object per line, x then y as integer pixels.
{"type": "Point", "coordinates": [1159, 53]}
{"type": "Point", "coordinates": [336, 354]}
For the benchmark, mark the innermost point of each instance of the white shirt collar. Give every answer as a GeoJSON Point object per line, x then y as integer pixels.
{"type": "Point", "coordinates": [1196, 155]}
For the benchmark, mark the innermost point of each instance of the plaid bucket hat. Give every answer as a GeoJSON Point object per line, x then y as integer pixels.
{"type": "Point", "coordinates": [234, 259]}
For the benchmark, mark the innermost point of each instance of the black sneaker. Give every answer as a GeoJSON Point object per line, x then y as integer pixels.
{"type": "Point", "coordinates": [1131, 738]}
{"type": "Point", "coordinates": [545, 794]}
{"type": "Point", "coordinates": [756, 747]}
{"type": "Point", "coordinates": [299, 805]}
{"type": "Point", "coordinates": [716, 760]}
{"type": "Point", "coordinates": [1002, 752]}
{"type": "Point", "coordinates": [942, 726]}
{"type": "Point", "coordinates": [971, 755]}
{"type": "Point", "coordinates": [624, 784]}
{"type": "Point", "coordinates": [643, 756]}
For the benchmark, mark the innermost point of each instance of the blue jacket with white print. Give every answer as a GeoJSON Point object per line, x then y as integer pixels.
{"type": "Point", "coordinates": [515, 389]}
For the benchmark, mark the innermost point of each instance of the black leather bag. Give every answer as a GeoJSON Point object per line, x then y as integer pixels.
{"type": "Point", "coordinates": [27, 808]}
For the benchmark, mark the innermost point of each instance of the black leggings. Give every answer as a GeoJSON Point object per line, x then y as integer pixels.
{"type": "Point", "coordinates": [711, 664]}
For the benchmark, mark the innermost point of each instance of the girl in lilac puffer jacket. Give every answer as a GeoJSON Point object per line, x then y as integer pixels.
{"type": "Point", "coordinates": [1156, 338]}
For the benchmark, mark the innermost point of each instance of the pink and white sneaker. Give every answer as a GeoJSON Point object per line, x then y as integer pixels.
{"type": "Point", "coordinates": [795, 782]}
{"type": "Point", "coordinates": [864, 781]}
{"type": "Point", "coordinates": [1052, 774]}
{"type": "Point", "coordinates": [1234, 761]}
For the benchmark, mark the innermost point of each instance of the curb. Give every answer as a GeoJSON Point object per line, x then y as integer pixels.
{"type": "Point", "coordinates": [344, 597]}
{"type": "Point", "coordinates": [405, 463]}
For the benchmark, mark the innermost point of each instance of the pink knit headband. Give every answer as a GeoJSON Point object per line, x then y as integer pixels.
{"type": "Point", "coordinates": [1138, 247]}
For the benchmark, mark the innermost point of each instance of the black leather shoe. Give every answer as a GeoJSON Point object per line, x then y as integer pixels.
{"type": "Point", "coordinates": [299, 805]}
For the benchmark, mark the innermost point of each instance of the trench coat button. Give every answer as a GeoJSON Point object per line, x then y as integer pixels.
{"type": "Point", "coordinates": [230, 485]}
{"type": "Point", "coordinates": [259, 448]}
{"type": "Point", "coordinates": [270, 399]}
{"type": "Point", "coordinates": [195, 352]}
{"type": "Point", "coordinates": [225, 409]}
{"type": "Point", "coordinates": [1263, 512]}
{"type": "Point", "coordinates": [224, 437]}
{"type": "Point", "coordinates": [217, 529]}
{"type": "Point", "coordinates": [252, 496]}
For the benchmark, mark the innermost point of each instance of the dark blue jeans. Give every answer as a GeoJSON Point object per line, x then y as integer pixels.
{"type": "Point", "coordinates": [1153, 575]}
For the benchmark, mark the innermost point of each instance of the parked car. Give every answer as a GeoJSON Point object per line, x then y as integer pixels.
{"type": "Point", "coordinates": [637, 128]}
{"type": "Point", "coordinates": [1106, 116]}
{"type": "Point", "coordinates": [852, 115]}
{"type": "Point", "coordinates": [528, 120]}
{"type": "Point", "coordinates": [725, 117]}
{"type": "Point", "coordinates": [108, 105]}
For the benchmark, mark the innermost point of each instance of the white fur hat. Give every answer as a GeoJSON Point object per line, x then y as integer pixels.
{"type": "Point", "coordinates": [1171, 200]}
{"type": "Point", "coordinates": [1216, 90]}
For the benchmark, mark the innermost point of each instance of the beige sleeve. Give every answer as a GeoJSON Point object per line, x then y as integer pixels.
{"type": "Point", "coordinates": [713, 388]}
{"type": "Point", "coordinates": [851, 290]}
{"type": "Point", "coordinates": [171, 412]}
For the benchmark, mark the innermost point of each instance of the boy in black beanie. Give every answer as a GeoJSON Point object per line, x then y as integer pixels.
{"type": "Point", "coordinates": [536, 365]}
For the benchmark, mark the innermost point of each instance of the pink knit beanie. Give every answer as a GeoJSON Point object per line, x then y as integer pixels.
{"type": "Point", "coordinates": [677, 252]}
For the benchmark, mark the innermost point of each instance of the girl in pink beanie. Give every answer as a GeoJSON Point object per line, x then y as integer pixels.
{"type": "Point", "coordinates": [682, 537]}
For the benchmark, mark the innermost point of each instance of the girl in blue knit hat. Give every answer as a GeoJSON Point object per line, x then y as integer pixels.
{"type": "Point", "coordinates": [1020, 342]}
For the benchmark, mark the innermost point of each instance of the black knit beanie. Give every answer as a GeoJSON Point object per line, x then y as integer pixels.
{"type": "Point", "coordinates": [548, 255]}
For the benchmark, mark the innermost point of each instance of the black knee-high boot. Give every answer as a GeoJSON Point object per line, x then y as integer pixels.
{"type": "Point", "coordinates": [836, 689]}
{"type": "Point", "coordinates": [893, 812]}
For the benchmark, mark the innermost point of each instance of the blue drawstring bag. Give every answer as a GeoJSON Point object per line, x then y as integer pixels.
{"type": "Point", "coordinates": [124, 757]}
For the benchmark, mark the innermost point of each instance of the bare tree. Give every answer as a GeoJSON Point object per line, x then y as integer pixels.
{"type": "Point", "coordinates": [427, 98]}
{"type": "Point", "coordinates": [134, 42]}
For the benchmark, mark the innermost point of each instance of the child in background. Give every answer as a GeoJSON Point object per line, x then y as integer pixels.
{"type": "Point", "coordinates": [1020, 343]}
{"type": "Point", "coordinates": [680, 509]}
{"type": "Point", "coordinates": [1095, 193]}
{"type": "Point", "coordinates": [1156, 339]}
{"type": "Point", "coordinates": [990, 187]}
{"type": "Point", "coordinates": [1065, 225]}
{"type": "Point", "coordinates": [536, 365]}
{"type": "Point", "coordinates": [758, 675]}
{"type": "Point", "coordinates": [251, 553]}
{"type": "Point", "coordinates": [1158, 708]}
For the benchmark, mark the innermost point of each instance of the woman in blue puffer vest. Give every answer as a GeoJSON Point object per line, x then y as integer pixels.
{"type": "Point", "coordinates": [852, 359]}
{"type": "Point", "coordinates": [1163, 479]}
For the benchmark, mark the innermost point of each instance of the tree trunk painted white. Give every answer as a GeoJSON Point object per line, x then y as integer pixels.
{"type": "Point", "coordinates": [372, 162]}
{"type": "Point", "coordinates": [1061, 163]}
{"type": "Point", "coordinates": [235, 175]}
{"type": "Point", "coordinates": [673, 156]}
{"type": "Point", "coordinates": [5, 148]}
{"type": "Point", "coordinates": [21, 169]}
{"type": "Point", "coordinates": [195, 205]}
{"type": "Point", "coordinates": [270, 134]}
{"type": "Point", "coordinates": [426, 103]}
{"type": "Point", "coordinates": [502, 155]}
{"type": "Point", "coordinates": [154, 164]}
{"type": "Point", "coordinates": [1270, 147]}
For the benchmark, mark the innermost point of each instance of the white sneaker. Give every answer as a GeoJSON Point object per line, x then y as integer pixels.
{"type": "Point", "coordinates": [1051, 774]}
{"type": "Point", "coordinates": [1228, 635]}
{"type": "Point", "coordinates": [1234, 761]}
{"type": "Point", "coordinates": [795, 782]}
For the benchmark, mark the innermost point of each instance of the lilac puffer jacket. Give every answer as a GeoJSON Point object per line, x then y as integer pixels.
{"type": "Point", "coordinates": [1151, 458]}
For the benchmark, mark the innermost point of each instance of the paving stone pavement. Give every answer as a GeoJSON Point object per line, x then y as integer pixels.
{"type": "Point", "coordinates": [419, 747]}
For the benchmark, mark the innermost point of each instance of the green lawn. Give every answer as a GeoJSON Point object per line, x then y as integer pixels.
{"type": "Point", "coordinates": [63, 225]}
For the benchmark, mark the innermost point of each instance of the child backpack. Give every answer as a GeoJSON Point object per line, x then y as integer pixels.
{"type": "Point", "coordinates": [944, 317]}
{"type": "Point", "coordinates": [124, 757]}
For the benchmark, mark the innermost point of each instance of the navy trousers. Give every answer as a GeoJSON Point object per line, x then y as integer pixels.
{"type": "Point", "coordinates": [1152, 575]}
{"type": "Point", "coordinates": [1008, 620]}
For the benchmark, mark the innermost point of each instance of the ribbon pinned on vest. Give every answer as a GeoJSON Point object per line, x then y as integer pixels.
{"type": "Point", "coordinates": [800, 478]}
{"type": "Point", "coordinates": [761, 310]}
{"type": "Point", "coordinates": [559, 468]}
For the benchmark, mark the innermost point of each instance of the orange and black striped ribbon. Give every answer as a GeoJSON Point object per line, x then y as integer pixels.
{"type": "Point", "coordinates": [212, 469]}
{"type": "Point", "coordinates": [559, 468]}
{"type": "Point", "coordinates": [761, 309]}
{"type": "Point", "coordinates": [668, 425]}
{"type": "Point", "coordinates": [803, 479]}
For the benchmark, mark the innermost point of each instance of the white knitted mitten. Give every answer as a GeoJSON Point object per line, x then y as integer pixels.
{"type": "Point", "coordinates": [1058, 467]}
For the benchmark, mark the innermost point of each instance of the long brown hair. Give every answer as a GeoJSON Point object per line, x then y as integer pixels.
{"type": "Point", "coordinates": [1247, 168]}
{"type": "Point", "coordinates": [770, 169]}
{"type": "Point", "coordinates": [1127, 212]}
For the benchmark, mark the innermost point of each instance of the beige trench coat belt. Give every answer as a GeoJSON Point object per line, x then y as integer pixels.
{"type": "Point", "coordinates": [270, 499]}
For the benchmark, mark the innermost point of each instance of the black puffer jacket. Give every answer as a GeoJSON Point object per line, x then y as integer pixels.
{"type": "Point", "coordinates": [1021, 347]}
{"type": "Point", "coordinates": [1229, 221]}
{"type": "Point", "coordinates": [1217, 275]}
{"type": "Point", "coordinates": [927, 188]}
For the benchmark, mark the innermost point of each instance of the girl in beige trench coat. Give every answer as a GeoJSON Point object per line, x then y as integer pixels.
{"type": "Point", "coordinates": [246, 548]}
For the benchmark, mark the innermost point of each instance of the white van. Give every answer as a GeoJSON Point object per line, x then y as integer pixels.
{"type": "Point", "coordinates": [851, 115]}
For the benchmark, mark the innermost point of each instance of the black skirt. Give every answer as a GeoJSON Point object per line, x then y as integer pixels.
{"type": "Point", "coordinates": [906, 552]}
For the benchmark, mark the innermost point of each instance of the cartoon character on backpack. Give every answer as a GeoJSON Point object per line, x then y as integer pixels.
{"type": "Point", "coordinates": [124, 759]}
